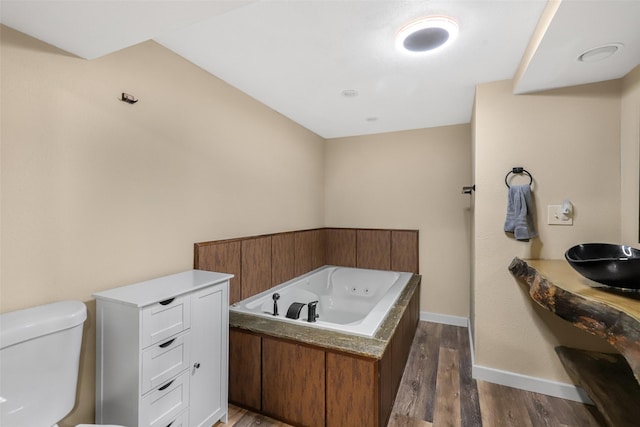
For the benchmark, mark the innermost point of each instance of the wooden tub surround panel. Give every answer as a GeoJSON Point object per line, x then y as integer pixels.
{"type": "Point", "coordinates": [353, 391]}
{"type": "Point", "coordinates": [261, 262]}
{"type": "Point", "coordinates": [245, 372]}
{"type": "Point", "coordinates": [293, 382]}
{"type": "Point", "coordinates": [256, 266]}
{"type": "Point", "coordinates": [341, 247]}
{"type": "Point", "coordinates": [222, 257]}
{"type": "Point", "coordinates": [309, 251]}
{"type": "Point", "coordinates": [283, 258]}
{"type": "Point", "coordinates": [607, 314]}
{"type": "Point", "coordinates": [404, 251]}
{"type": "Point", "coordinates": [373, 249]}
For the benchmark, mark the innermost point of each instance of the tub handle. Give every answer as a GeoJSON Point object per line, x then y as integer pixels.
{"type": "Point", "coordinates": [311, 311]}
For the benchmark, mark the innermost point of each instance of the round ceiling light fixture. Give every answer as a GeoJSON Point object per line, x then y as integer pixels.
{"type": "Point", "coordinates": [600, 53]}
{"type": "Point", "coordinates": [426, 35]}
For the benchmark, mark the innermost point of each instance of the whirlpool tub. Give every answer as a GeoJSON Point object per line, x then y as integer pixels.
{"type": "Point", "coordinates": [350, 300]}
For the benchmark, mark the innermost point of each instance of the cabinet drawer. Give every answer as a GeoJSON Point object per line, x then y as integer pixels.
{"type": "Point", "coordinates": [181, 420]}
{"type": "Point", "coordinates": [165, 360]}
{"type": "Point", "coordinates": [160, 406]}
{"type": "Point", "coordinates": [164, 319]}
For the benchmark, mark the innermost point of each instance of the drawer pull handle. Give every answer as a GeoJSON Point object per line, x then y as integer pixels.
{"type": "Point", "coordinates": [166, 385]}
{"type": "Point", "coordinates": [167, 344]}
{"type": "Point", "coordinates": [167, 301]}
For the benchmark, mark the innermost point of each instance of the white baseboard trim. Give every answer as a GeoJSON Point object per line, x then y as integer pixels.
{"type": "Point", "coordinates": [507, 378]}
{"type": "Point", "coordinates": [447, 319]}
{"type": "Point", "coordinates": [534, 384]}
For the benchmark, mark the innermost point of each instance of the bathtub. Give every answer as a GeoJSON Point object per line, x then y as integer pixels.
{"type": "Point", "coordinates": [350, 300]}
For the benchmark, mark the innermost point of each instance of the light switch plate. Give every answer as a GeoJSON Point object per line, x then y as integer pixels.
{"type": "Point", "coordinates": [555, 217]}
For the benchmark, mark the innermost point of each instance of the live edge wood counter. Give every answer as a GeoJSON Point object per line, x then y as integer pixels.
{"type": "Point", "coordinates": [608, 314]}
{"type": "Point", "coordinates": [557, 287]}
{"type": "Point", "coordinates": [314, 377]}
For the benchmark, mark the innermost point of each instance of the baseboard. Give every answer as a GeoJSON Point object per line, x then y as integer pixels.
{"type": "Point", "coordinates": [525, 382]}
{"type": "Point", "coordinates": [447, 319]}
{"type": "Point", "coordinates": [507, 378]}
{"type": "Point", "coordinates": [472, 348]}
{"type": "Point", "coordinates": [534, 384]}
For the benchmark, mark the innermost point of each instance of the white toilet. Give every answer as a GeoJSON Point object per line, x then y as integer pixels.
{"type": "Point", "coordinates": [39, 358]}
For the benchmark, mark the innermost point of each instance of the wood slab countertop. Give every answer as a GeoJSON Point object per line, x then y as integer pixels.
{"type": "Point", "coordinates": [611, 314]}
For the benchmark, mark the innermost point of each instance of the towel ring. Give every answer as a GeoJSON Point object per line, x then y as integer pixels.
{"type": "Point", "coordinates": [517, 170]}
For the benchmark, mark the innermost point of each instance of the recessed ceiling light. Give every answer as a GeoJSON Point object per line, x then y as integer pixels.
{"type": "Point", "coordinates": [350, 93]}
{"type": "Point", "coordinates": [599, 53]}
{"type": "Point", "coordinates": [426, 34]}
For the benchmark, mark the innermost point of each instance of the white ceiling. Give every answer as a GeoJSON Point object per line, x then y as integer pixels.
{"type": "Point", "coordinates": [298, 56]}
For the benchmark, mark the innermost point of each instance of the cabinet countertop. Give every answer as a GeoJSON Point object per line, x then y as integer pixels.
{"type": "Point", "coordinates": [155, 290]}
{"type": "Point", "coordinates": [611, 314]}
{"type": "Point", "coordinates": [565, 277]}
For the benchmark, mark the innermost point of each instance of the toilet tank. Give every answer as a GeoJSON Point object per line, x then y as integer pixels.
{"type": "Point", "coordinates": [39, 358]}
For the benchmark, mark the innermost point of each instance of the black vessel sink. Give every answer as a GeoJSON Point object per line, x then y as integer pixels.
{"type": "Point", "coordinates": [609, 264]}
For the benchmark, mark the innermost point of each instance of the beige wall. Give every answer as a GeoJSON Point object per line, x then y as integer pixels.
{"type": "Point", "coordinates": [630, 157]}
{"type": "Point", "coordinates": [569, 140]}
{"type": "Point", "coordinates": [97, 193]}
{"type": "Point", "coordinates": [411, 180]}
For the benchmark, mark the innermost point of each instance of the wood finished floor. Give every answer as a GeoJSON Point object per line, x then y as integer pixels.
{"type": "Point", "coordinates": [437, 390]}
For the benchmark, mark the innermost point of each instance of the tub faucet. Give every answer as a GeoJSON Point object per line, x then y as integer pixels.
{"type": "Point", "coordinates": [311, 311]}
{"type": "Point", "coordinates": [275, 297]}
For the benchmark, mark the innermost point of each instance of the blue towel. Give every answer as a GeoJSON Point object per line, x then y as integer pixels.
{"type": "Point", "coordinates": [520, 213]}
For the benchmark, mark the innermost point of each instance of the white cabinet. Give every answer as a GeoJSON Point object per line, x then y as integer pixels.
{"type": "Point", "coordinates": [208, 399]}
{"type": "Point", "coordinates": [162, 351]}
